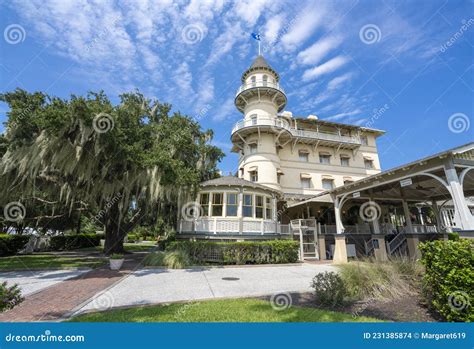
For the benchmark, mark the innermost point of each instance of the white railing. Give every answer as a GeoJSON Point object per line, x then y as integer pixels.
{"type": "Point", "coordinates": [262, 121]}
{"type": "Point", "coordinates": [217, 225]}
{"type": "Point", "coordinates": [260, 83]}
{"type": "Point", "coordinates": [280, 123]}
{"type": "Point", "coordinates": [424, 229]}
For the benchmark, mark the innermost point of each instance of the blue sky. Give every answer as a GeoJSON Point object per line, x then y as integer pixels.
{"type": "Point", "coordinates": [403, 66]}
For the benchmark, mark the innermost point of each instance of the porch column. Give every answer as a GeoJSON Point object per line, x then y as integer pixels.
{"type": "Point", "coordinates": [240, 200]}
{"type": "Point", "coordinates": [462, 215]}
{"type": "Point", "coordinates": [439, 225]}
{"type": "Point", "coordinates": [406, 211]}
{"type": "Point", "coordinates": [340, 250]}
{"type": "Point", "coordinates": [322, 247]}
{"type": "Point", "coordinates": [380, 248]}
{"type": "Point", "coordinates": [412, 243]}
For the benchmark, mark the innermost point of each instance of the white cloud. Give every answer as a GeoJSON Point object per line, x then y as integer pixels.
{"type": "Point", "coordinates": [325, 68]}
{"type": "Point", "coordinates": [338, 81]}
{"type": "Point", "coordinates": [317, 51]}
{"type": "Point", "coordinates": [272, 28]}
{"type": "Point", "coordinates": [307, 21]}
{"type": "Point", "coordinates": [342, 115]}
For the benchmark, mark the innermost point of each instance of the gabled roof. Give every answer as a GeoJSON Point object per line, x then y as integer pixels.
{"type": "Point", "coordinates": [233, 181]}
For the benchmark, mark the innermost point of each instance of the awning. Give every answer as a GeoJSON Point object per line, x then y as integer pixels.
{"type": "Point", "coordinates": [367, 157]}
{"type": "Point", "coordinates": [253, 169]}
{"type": "Point", "coordinates": [327, 177]}
{"type": "Point", "coordinates": [280, 172]}
{"type": "Point", "coordinates": [324, 153]}
{"type": "Point", "coordinates": [305, 175]}
{"type": "Point", "coordinates": [345, 156]}
{"type": "Point", "coordinates": [304, 151]}
{"type": "Point", "coordinates": [347, 178]}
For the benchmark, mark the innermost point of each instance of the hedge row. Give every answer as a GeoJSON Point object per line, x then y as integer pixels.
{"type": "Point", "coordinates": [11, 244]}
{"type": "Point", "coordinates": [448, 282]}
{"type": "Point", "coordinates": [72, 242]}
{"type": "Point", "coordinates": [265, 252]}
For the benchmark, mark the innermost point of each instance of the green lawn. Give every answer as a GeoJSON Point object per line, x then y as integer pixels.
{"type": "Point", "coordinates": [45, 261]}
{"type": "Point", "coordinates": [228, 310]}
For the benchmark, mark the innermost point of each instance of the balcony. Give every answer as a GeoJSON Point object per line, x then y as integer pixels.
{"type": "Point", "coordinates": [277, 125]}
{"type": "Point", "coordinates": [260, 88]}
{"type": "Point", "coordinates": [260, 83]}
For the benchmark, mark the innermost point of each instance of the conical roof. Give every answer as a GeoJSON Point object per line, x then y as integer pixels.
{"type": "Point", "coordinates": [259, 63]}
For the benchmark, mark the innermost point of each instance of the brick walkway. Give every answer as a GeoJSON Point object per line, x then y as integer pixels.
{"type": "Point", "coordinates": [52, 303]}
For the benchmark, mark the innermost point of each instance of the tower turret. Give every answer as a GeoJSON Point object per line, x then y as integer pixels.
{"type": "Point", "coordinates": [260, 92]}
{"type": "Point", "coordinates": [260, 98]}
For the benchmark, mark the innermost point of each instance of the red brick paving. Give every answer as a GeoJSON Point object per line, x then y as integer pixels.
{"type": "Point", "coordinates": [52, 303]}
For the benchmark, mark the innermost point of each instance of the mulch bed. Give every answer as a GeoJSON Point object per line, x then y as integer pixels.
{"type": "Point", "coordinates": [405, 309]}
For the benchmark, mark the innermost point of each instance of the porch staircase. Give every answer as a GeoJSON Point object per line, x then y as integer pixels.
{"type": "Point", "coordinates": [398, 245]}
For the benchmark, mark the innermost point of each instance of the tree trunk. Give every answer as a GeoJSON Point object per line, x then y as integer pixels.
{"type": "Point", "coordinates": [114, 232]}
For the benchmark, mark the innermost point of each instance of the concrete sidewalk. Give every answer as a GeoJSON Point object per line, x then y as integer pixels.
{"type": "Point", "coordinates": [31, 281]}
{"type": "Point", "coordinates": [150, 286]}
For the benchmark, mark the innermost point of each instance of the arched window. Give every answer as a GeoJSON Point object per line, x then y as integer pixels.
{"type": "Point", "coordinates": [265, 79]}
{"type": "Point", "coordinates": [254, 81]}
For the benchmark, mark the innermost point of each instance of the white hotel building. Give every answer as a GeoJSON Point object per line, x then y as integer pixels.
{"type": "Point", "coordinates": [321, 183]}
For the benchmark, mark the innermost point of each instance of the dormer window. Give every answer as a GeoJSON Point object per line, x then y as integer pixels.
{"type": "Point", "coordinates": [253, 148]}
{"type": "Point", "coordinates": [345, 160]}
{"type": "Point", "coordinates": [303, 155]}
{"type": "Point", "coordinates": [324, 158]}
{"type": "Point", "coordinates": [253, 171]}
{"type": "Point", "coordinates": [368, 163]}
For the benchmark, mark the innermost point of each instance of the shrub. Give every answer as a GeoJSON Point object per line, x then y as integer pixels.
{"type": "Point", "coordinates": [448, 283]}
{"type": "Point", "coordinates": [329, 289]}
{"type": "Point", "coordinates": [132, 237]}
{"type": "Point", "coordinates": [376, 280]}
{"type": "Point", "coordinates": [277, 251]}
{"type": "Point", "coordinates": [72, 242]}
{"type": "Point", "coordinates": [11, 244]}
{"type": "Point", "coordinates": [176, 259]}
{"type": "Point", "coordinates": [154, 259]}
{"type": "Point", "coordinates": [116, 256]}
{"type": "Point", "coordinates": [453, 236]}
{"type": "Point", "coordinates": [172, 259]}
{"type": "Point", "coordinates": [9, 296]}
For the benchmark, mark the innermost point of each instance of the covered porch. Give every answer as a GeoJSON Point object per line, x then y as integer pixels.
{"type": "Point", "coordinates": [391, 212]}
